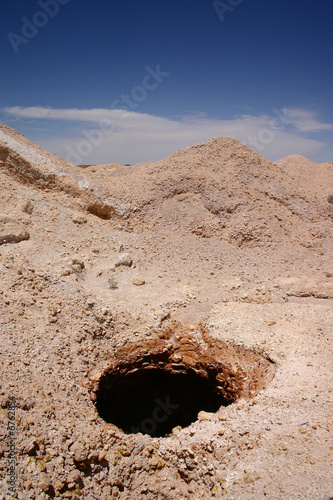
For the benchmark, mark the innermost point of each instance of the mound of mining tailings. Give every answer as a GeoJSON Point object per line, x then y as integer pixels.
{"type": "Point", "coordinates": [166, 328]}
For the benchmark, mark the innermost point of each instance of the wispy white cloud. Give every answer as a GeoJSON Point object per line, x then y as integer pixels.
{"type": "Point", "coordinates": [115, 135]}
{"type": "Point", "coordinates": [96, 115]}
{"type": "Point", "coordinates": [304, 120]}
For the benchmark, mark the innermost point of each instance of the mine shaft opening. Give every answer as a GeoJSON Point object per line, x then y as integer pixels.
{"type": "Point", "coordinates": [154, 401]}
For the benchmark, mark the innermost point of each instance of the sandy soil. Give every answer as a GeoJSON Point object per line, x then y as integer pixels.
{"type": "Point", "coordinates": [213, 264]}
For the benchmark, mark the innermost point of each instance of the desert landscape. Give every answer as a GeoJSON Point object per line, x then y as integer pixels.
{"type": "Point", "coordinates": [166, 327]}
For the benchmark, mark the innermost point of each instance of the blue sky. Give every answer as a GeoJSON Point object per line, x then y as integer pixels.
{"type": "Point", "coordinates": [127, 81]}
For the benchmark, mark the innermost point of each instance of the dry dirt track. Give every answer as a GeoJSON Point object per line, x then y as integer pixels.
{"type": "Point", "coordinates": [212, 263]}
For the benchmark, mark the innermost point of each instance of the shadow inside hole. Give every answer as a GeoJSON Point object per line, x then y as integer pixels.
{"type": "Point", "coordinates": [154, 401]}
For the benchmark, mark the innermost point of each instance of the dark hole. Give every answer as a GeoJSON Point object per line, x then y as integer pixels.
{"type": "Point", "coordinates": [99, 211]}
{"type": "Point", "coordinates": [154, 401]}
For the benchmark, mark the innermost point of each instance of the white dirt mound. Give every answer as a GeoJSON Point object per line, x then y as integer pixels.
{"type": "Point", "coordinates": [166, 328]}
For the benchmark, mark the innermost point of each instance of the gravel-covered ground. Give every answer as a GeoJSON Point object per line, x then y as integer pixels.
{"type": "Point", "coordinates": [213, 264]}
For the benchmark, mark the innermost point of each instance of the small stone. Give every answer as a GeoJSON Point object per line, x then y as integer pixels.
{"type": "Point", "coordinates": [95, 376]}
{"type": "Point", "coordinates": [30, 447]}
{"type": "Point", "coordinates": [113, 285]}
{"type": "Point", "coordinates": [139, 446]}
{"type": "Point", "coordinates": [105, 311]}
{"type": "Point", "coordinates": [79, 219]}
{"type": "Point", "coordinates": [157, 463]}
{"type": "Point", "coordinates": [189, 463]}
{"type": "Point", "coordinates": [58, 485]}
{"type": "Point", "coordinates": [176, 429]}
{"type": "Point", "coordinates": [215, 489]}
{"type": "Point", "coordinates": [188, 360]}
{"type": "Point", "coordinates": [78, 262]}
{"type": "Point", "coordinates": [80, 453]}
{"type": "Point", "coordinates": [302, 422]}
{"type": "Point", "coordinates": [66, 272]}
{"type": "Point", "coordinates": [204, 415]}
{"type": "Point", "coordinates": [44, 485]}
{"type": "Point", "coordinates": [220, 476]}
{"type": "Point", "coordinates": [124, 451]}
{"type": "Point", "coordinates": [74, 477]}
{"type": "Point", "coordinates": [27, 206]}
{"type": "Point", "coordinates": [107, 492]}
{"type": "Point", "coordinates": [102, 455]}
{"type": "Point", "coordinates": [76, 268]}
{"type": "Point", "coordinates": [138, 281]}
{"type": "Point", "coordinates": [124, 260]}
{"type": "Point", "coordinates": [284, 447]}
